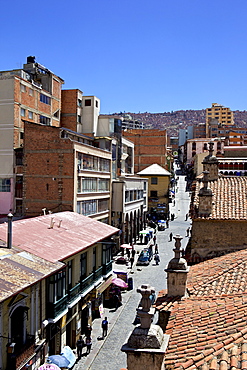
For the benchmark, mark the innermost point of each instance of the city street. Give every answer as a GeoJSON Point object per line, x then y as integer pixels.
{"type": "Point", "coordinates": [106, 354]}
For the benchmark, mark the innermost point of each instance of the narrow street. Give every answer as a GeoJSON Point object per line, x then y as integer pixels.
{"type": "Point", "coordinates": [109, 355]}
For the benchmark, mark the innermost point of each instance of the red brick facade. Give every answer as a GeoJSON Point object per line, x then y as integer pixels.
{"type": "Point", "coordinates": [49, 170]}
{"type": "Point", "coordinates": [150, 147]}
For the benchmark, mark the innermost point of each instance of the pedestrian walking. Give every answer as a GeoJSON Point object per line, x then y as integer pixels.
{"type": "Point", "coordinates": [128, 252]}
{"type": "Point", "coordinates": [88, 344]}
{"type": "Point", "coordinates": [132, 258]}
{"type": "Point", "coordinates": [188, 232]}
{"type": "Point", "coordinates": [154, 239]}
{"type": "Point", "coordinates": [156, 249]}
{"type": "Point", "coordinates": [157, 258]}
{"type": "Point", "coordinates": [133, 252]}
{"type": "Point", "coordinates": [186, 217]}
{"type": "Point", "coordinates": [167, 223]}
{"type": "Point", "coordinates": [104, 326]}
{"type": "Point", "coordinates": [88, 331]}
{"type": "Point", "coordinates": [171, 235]}
{"type": "Point", "coordinates": [79, 345]}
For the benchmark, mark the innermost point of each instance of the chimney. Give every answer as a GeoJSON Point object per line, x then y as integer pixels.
{"type": "Point", "coordinates": [211, 164]}
{"type": "Point", "coordinates": [52, 223]}
{"type": "Point", "coordinates": [205, 198]}
{"type": "Point", "coordinates": [9, 242]}
{"type": "Point", "coordinates": [177, 271]}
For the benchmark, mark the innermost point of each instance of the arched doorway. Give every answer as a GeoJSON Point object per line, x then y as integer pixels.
{"type": "Point", "coordinates": [18, 327]}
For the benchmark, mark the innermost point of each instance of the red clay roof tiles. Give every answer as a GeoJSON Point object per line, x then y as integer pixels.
{"type": "Point", "coordinates": [208, 330]}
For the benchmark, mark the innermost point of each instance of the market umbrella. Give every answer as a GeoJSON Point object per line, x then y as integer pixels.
{"type": "Point", "coordinates": [69, 354]}
{"type": "Point", "coordinates": [49, 367]}
{"type": "Point", "coordinates": [127, 246]}
{"type": "Point", "coordinates": [59, 360]}
{"type": "Point", "coordinates": [119, 282]}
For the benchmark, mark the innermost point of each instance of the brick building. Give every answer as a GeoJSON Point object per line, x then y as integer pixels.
{"type": "Point", "coordinates": [150, 147]}
{"type": "Point", "coordinates": [32, 94]}
{"type": "Point", "coordinates": [64, 170]}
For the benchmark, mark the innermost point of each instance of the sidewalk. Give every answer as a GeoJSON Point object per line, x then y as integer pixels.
{"type": "Point", "coordinates": [111, 314]}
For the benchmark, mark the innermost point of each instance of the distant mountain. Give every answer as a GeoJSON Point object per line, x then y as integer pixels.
{"type": "Point", "coordinates": [172, 121]}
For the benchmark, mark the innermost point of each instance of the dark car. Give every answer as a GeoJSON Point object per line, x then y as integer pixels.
{"type": "Point", "coordinates": [144, 258]}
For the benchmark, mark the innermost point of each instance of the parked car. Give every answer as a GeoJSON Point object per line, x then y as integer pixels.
{"type": "Point", "coordinates": [144, 258]}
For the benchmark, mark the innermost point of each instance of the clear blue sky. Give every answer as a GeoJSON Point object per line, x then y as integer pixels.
{"type": "Point", "coordinates": [134, 55]}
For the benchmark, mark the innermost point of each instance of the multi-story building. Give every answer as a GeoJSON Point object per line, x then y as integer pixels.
{"type": "Point", "coordinates": [223, 115]}
{"type": "Point", "coordinates": [65, 170]}
{"type": "Point", "coordinates": [158, 190]}
{"type": "Point", "coordinates": [150, 147]}
{"type": "Point", "coordinates": [32, 94]}
{"type": "Point", "coordinates": [23, 305]}
{"type": "Point", "coordinates": [53, 284]}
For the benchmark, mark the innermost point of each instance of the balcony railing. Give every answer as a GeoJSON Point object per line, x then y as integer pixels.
{"type": "Point", "coordinates": [107, 268]}
{"type": "Point", "coordinates": [54, 309]}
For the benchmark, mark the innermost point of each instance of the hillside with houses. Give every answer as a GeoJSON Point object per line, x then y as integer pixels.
{"type": "Point", "coordinates": [174, 120]}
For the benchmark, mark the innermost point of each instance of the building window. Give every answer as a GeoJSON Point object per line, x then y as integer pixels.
{"type": "Point", "coordinates": [96, 103]}
{"type": "Point", "coordinates": [89, 184]}
{"type": "Point", "coordinates": [45, 99]}
{"type": "Point", "coordinates": [79, 119]}
{"type": "Point", "coordinates": [94, 259]}
{"type": "Point", "coordinates": [193, 146]}
{"type": "Point", "coordinates": [87, 102]}
{"type": "Point", "coordinates": [79, 103]}
{"type": "Point", "coordinates": [103, 205]}
{"type": "Point", "coordinates": [107, 254]}
{"type": "Point", "coordinates": [44, 120]}
{"type": "Point", "coordinates": [30, 114]}
{"type": "Point", "coordinates": [104, 185]}
{"type": "Point", "coordinates": [83, 271]}
{"type": "Point", "coordinates": [23, 112]}
{"type": "Point", "coordinates": [154, 180]}
{"type": "Point", "coordinates": [88, 207]}
{"type": "Point", "coordinates": [69, 274]}
{"type": "Point", "coordinates": [30, 91]}
{"type": "Point", "coordinates": [153, 193]}
{"type": "Point", "coordinates": [5, 185]}
{"type": "Point", "coordinates": [23, 88]}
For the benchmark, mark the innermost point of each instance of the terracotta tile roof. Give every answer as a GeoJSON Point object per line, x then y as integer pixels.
{"type": "Point", "coordinates": [208, 329]}
{"type": "Point", "coordinates": [223, 275]}
{"type": "Point", "coordinates": [229, 198]}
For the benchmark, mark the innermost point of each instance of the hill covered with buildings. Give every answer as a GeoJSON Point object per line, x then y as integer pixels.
{"type": "Point", "coordinates": [174, 120]}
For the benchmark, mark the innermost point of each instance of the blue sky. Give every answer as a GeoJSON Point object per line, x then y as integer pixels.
{"type": "Point", "coordinates": [134, 55]}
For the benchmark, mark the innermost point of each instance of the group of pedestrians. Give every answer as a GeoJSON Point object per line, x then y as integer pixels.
{"type": "Point", "coordinates": [81, 343]}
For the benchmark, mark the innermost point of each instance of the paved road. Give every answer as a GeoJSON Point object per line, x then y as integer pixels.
{"type": "Point", "coordinates": [109, 355]}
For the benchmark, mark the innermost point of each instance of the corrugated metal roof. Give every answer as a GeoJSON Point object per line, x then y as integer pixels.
{"type": "Point", "coordinates": [19, 269]}
{"type": "Point", "coordinates": [76, 233]}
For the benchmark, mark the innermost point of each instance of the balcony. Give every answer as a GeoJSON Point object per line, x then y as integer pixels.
{"type": "Point", "coordinates": [107, 268]}
{"type": "Point", "coordinates": [22, 353]}
{"type": "Point", "coordinates": [87, 284]}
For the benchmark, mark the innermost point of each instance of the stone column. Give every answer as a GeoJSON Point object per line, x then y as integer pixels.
{"type": "Point", "coordinates": [147, 344]}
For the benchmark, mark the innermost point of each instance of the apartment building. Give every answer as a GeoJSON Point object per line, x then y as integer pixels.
{"type": "Point", "coordinates": [65, 170]}
{"type": "Point", "coordinates": [223, 115]}
{"type": "Point", "coordinates": [31, 94]}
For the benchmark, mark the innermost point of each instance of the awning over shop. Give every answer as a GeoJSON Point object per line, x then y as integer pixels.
{"type": "Point", "coordinates": [100, 289]}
